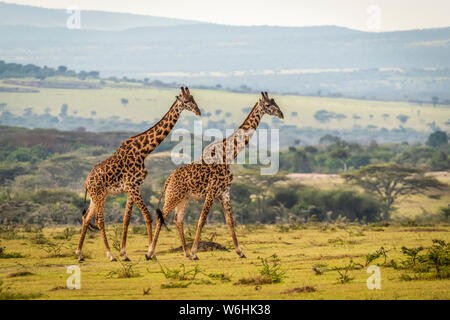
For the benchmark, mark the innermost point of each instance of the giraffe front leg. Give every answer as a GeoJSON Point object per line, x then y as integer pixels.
{"type": "Point", "coordinates": [226, 206]}
{"type": "Point", "coordinates": [126, 222]}
{"type": "Point", "coordinates": [87, 217]}
{"type": "Point", "coordinates": [206, 207]}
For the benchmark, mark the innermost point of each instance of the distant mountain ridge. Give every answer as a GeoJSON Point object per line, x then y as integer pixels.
{"type": "Point", "coordinates": [15, 14]}
{"type": "Point", "coordinates": [322, 60]}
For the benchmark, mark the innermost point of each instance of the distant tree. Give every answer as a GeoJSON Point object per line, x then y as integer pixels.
{"type": "Point", "coordinates": [63, 112]}
{"type": "Point", "coordinates": [93, 113]}
{"type": "Point", "coordinates": [340, 116]}
{"type": "Point", "coordinates": [385, 116]}
{"type": "Point", "coordinates": [402, 118]}
{"type": "Point", "coordinates": [323, 116]}
{"type": "Point", "coordinates": [435, 100]}
{"type": "Point", "coordinates": [329, 139]}
{"type": "Point", "coordinates": [245, 88]}
{"type": "Point", "coordinates": [228, 114]}
{"type": "Point", "coordinates": [437, 139]}
{"type": "Point", "coordinates": [390, 181]}
{"type": "Point", "coordinates": [218, 111]}
{"type": "Point", "coordinates": [294, 114]}
{"type": "Point", "coordinates": [94, 74]}
{"type": "Point", "coordinates": [62, 69]}
{"type": "Point", "coordinates": [341, 154]}
{"type": "Point", "coordinates": [124, 101]}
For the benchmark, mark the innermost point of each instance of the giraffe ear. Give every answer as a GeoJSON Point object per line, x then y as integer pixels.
{"type": "Point", "coordinates": [182, 91]}
{"type": "Point", "coordinates": [187, 90]}
{"type": "Point", "coordinates": [267, 96]}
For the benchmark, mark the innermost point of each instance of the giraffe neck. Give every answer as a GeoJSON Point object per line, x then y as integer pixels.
{"type": "Point", "coordinates": [241, 137]}
{"type": "Point", "coordinates": [226, 150]}
{"type": "Point", "coordinates": [147, 141]}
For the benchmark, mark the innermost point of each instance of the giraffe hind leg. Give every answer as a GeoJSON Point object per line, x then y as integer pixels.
{"type": "Point", "coordinates": [86, 219]}
{"type": "Point", "coordinates": [178, 219]}
{"type": "Point", "coordinates": [126, 222]}
{"type": "Point", "coordinates": [100, 210]}
{"type": "Point", "coordinates": [210, 197]}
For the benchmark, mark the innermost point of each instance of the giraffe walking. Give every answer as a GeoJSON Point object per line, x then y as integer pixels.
{"type": "Point", "coordinates": [210, 178]}
{"type": "Point", "coordinates": [125, 171]}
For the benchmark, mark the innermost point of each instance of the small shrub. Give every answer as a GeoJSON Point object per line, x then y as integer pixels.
{"type": "Point", "coordinates": [271, 268]}
{"type": "Point", "coordinates": [305, 289]}
{"type": "Point", "coordinates": [270, 272]}
{"type": "Point", "coordinates": [127, 271]}
{"type": "Point", "coordinates": [5, 294]}
{"type": "Point", "coordinates": [180, 273]}
{"type": "Point", "coordinates": [39, 239]}
{"type": "Point", "coordinates": [9, 232]}
{"type": "Point", "coordinates": [116, 237]}
{"type": "Point", "coordinates": [66, 234]}
{"type": "Point", "coordinates": [139, 230]}
{"type": "Point", "coordinates": [319, 269]}
{"type": "Point", "coordinates": [173, 285]}
{"type": "Point", "coordinates": [373, 256]}
{"type": "Point", "coordinates": [9, 255]}
{"type": "Point", "coordinates": [219, 276]}
{"type": "Point", "coordinates": [343, 272]}
{"type": "Point", "coordinates": [53, 249]}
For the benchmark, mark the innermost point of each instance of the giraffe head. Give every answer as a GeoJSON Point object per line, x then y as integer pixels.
{"type": "Point", "coordinates": [186, 101]}
{"type": "Point", "coordinates": [269, 106]}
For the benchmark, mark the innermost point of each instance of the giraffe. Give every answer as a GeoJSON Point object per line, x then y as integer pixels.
{"type": "Point", "coordinates": [125, 171]}
{"type": "Point", "coordinates": [210, 178]}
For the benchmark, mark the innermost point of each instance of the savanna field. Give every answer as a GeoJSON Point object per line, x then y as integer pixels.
{"type": "Point", "coordinates": [313, 261]}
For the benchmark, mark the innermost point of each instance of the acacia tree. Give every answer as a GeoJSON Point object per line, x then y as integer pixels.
{"type": "Point", "coordinates": [390, 181]}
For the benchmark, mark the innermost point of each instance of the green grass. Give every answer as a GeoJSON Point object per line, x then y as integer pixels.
{"type": "Point", "coordinates": [298, 251]}
{"type": "Point", "coordinates": [147, 103]}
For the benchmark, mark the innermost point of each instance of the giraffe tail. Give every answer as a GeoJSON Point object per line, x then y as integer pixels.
{"type": "Point", "coordinates": [161, 218]}
{"type": "Point", "coordinates": [158, 210]}
{"type": "Point", "coordinates": [91, 226]}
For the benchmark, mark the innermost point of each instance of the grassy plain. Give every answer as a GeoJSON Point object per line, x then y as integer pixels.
{"type": "Point", "coordinates": [298, 248]}
{"type": "Point", "coordinates": [150, 103]}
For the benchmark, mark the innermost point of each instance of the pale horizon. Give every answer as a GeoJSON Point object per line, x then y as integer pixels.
{"type": "Point", "coordinates": [353, 14]}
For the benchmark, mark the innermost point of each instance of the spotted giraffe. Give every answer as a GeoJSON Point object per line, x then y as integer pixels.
{"type": "Point", "coordinates": [125, 171]}
{"type": "Point", "coordinates": [210, 178]}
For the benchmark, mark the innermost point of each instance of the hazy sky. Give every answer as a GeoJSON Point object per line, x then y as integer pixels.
{"type": "Point", "coordinates": [392, 14]}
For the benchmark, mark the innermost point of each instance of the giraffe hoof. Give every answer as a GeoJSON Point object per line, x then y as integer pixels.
{"type": "Point", "coordinates": [150, 258]}
{"type": "Point", "coordinates": [113, 259]}
{"type": "Point", "coordinates": [195, 258]}
{"type": "Point", "coordinates": [242, 256]}
{"type": "Point", "coordinates": [126, 259]}
{"type": "Point", "coordinates": [80, 259]}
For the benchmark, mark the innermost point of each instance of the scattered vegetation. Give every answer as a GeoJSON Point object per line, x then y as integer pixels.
{"type": "Point", "coordinates": [127, 270]}
{"type": "Point", "coordinates": [270, 272]}
{"type": "Point", "coordinates": [9, 255]}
